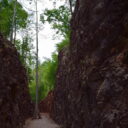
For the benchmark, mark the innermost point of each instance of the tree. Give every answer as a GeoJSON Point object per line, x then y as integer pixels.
{"type": "Point", "coordinates": [13, 23]}
{"type": "Point", "coordinates": [47, 75]}
{"type": "Point", "coordinates": [70, 4]}
{"type": "Point", "coordinates": [59, 18]}
{"type": "Point", "coordinates": [37, 113]}
{"type": "Point", "coordinates": [27, 55]}
{"type": "Point", "coordinates": [6, 14]}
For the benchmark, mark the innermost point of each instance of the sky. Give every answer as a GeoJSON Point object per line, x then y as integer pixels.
{"type": "Point", "coordinates": [46, 41]}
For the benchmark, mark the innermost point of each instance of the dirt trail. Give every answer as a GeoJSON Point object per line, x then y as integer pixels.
{"type": "Point", "coordinates": [44, 122]}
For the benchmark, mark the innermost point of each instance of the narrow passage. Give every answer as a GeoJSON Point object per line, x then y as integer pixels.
{"type": "Point", "coordinates": [44, 122]}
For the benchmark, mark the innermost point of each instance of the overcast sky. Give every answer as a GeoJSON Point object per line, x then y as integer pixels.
{"type": "Point", "coordinates": [46, 41]}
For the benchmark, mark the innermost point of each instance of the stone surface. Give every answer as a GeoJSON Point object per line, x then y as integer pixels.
{"type": "Point", "coordinates": [92, 79]}
{"type": "Point", "coordinates": [45, 105]}
{"type": "Point", "coordinates": [15, 104]}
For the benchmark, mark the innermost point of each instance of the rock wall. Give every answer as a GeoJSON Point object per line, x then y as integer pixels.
{"type": "Point", "coordinates": [45, 105]}
{"type": "Point", "coordinates": [15, 103]}
{"type": "Point", "coordinates": [92, 79]}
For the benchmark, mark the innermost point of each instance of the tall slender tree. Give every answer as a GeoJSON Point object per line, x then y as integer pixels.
{"type": "Point", "coordinates": [70, 4]}
{"type": "Point", "coordinates": [37, 113]}
{"type": "Point", "coordinates": [13, 22]}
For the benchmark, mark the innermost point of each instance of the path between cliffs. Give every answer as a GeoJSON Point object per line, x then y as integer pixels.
{"type": "Point", "coordinates": [44, 122]}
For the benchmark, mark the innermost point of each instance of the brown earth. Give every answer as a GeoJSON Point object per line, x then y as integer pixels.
{"type": "Point", "coordinates": [92, 79]}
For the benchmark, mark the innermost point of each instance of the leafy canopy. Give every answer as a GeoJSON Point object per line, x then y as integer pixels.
{"type": "Point", "coordinates": [59, 18]}
{"type": "Point", "coordinates": [6, 14]}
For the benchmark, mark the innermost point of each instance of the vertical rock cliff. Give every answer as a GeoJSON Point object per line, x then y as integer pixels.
{"type": "Point", "coordinates": [15, 103]}
{"type": "Point", "coordinates": [92, 79]}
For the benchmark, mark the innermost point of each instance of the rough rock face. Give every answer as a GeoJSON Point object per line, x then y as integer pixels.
{"type": "Point", "coordinates": [45, 105]}
{"type": "Point", "coordinates": [15, 104]}
{"type": "Point", "coordinates": [92, 79]}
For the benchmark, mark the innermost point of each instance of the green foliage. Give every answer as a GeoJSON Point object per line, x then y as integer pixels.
{"type": "Point", "coordinates": [59, 18]}
{"type": "Point", "coordinates": [6, 14]}
{"type": "Point", "coordinates": [47, 75]}
{"type": "Point", "coordinates": [49, 68]}
{"type": "Point", "coordinates": [62, 44]}
{"type": "Point", "coordinates": [5, 19]}
{"type": "Point", "coordinates": [21, 16]}
{"type": "Point", "coordinates": [27, 55]}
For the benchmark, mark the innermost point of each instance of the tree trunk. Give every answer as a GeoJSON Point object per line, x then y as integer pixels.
{"type": "Point", "coordinates": [13, 22]}
{"type": "Point", "coordinates": [70, 4]}
{"type": "Point", "coordinates": [37, 113]}
{"type": "Point", "coordinates": [15, 33]}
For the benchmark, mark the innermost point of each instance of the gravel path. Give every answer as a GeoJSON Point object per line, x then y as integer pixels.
{"type": "Point", "coordinates": [44, 122]}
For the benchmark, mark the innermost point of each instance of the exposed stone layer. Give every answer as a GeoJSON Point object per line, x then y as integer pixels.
{"type": "Point", "coordinates": [92, 79]}
{"type": "Point", "coordinates": [15, 104]}
{"type": "Point", "coordinates": [45, 105]}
